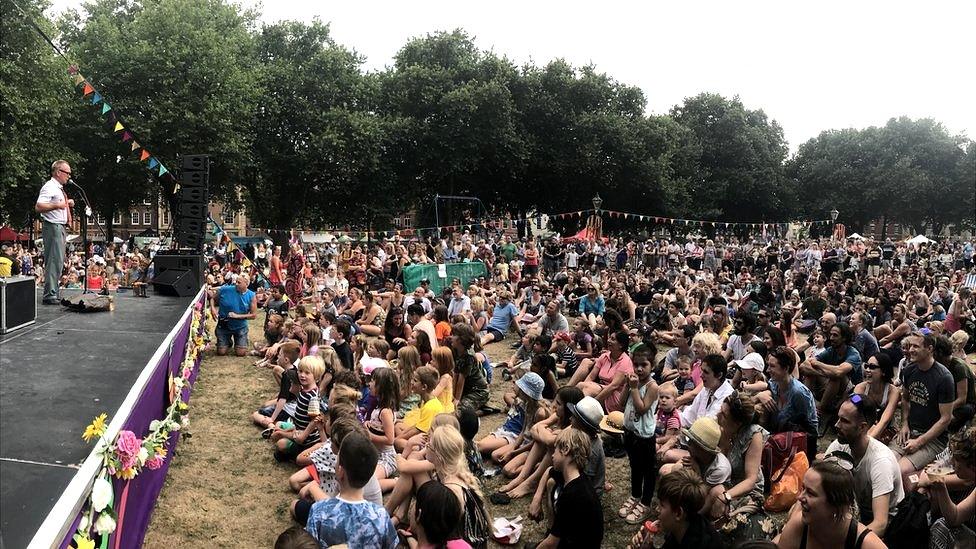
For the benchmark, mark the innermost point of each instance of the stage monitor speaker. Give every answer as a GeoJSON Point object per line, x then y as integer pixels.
{"type": "Point", "coordinates": [176, 282]}
{"type": "Point", "coordinates": [186, 261]}
{"type": "Point", "coordinates": [18, 303]}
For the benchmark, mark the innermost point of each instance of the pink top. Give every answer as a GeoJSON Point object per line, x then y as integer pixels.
{"type": "Point", "coordinates": [608, 370]}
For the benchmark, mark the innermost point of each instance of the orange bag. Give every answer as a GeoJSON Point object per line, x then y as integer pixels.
{"type": "Point", "coordinates": [784, 492]}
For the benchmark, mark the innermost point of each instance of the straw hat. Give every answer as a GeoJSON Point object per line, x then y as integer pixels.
{"type": "Point", "coordinates": [705, 433]}
{"type": "Point", "coordinates": [613, 422]}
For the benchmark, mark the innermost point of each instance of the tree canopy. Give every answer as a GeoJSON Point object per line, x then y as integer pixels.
{"type": "Point", "coordinates": [302, 135]}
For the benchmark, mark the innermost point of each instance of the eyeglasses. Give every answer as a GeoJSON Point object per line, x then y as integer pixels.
{"type": "Point", "coordinates": [66, 172]}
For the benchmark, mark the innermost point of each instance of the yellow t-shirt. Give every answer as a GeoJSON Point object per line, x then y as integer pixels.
{"type": "Point", "coordinates": [426, 414]}
{"type": "Point", "coordinates": [447, 396]}
{"type": "Point", "coordinates": [5, 265]}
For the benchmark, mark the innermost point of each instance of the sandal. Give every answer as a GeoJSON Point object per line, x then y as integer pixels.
{"type": "Point", "coordinates": [637, 514]}
{"type": "Point", "coordinates": [500, 498]}
{"type": "Point", "coordinates": [627, 507]}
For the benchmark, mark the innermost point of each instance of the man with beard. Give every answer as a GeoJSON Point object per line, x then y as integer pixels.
{"type": "Point", "coordinates": [877, 477]}
{"type": "Point", "coordinates": [738, 346]}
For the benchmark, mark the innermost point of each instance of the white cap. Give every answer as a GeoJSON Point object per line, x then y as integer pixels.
{"type": "Point", "coordinates": [371, 363]}
{"type": "Point", "coordinates": [752, 361]}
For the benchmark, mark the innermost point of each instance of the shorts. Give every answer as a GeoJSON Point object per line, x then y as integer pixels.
{"type": "Point", "coordinates": [496, 334]}
{"type": "Point", "coordinates": [266, 411]}
{"type": "Point", "coordinates": [302, 509]}
{"type": "Point", "coordinates": [224, 336]}
{"type": "Point", "coordinates": [923, 456]}
{"type": "Point", "coordinates": [507, 435]}
{"type": "Point", "coordinates": [388, 460]}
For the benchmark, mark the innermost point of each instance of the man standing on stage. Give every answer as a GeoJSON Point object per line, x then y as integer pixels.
{"type": "Point", "coordinates": [55, 209]}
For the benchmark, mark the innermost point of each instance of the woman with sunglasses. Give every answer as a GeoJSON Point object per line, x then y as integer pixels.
{"type": "Point", "coordinates": [826, 518]}
{"type": "Point", "coordinates": [878, 385]}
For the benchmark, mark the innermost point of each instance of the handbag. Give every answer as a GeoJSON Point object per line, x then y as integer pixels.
{"type": "Point", "coordinates": [789, 482]}
{"type": "Point", "coordinates": [909, 528]}
{"type": "Point", "coordinates": [780, 449]}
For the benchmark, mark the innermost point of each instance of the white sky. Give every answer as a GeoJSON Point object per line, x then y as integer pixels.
{"type": "Point", "coordinates": [811, 66]}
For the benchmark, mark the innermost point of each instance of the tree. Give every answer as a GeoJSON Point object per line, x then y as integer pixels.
{"type": "Point", "coordinates": [34, 90]}
{"type": "Point", "coordinates": [322, 153]}
{"type": "Point", "coordinates": [178, 72]}
{"type": "Point", "coordinates": [741, 165]}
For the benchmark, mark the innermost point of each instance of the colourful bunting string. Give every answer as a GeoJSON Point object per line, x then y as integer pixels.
{"type": "Point", "coordinates": [117, 125]}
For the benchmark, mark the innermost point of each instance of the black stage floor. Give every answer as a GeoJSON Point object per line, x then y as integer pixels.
{"type": "Point", "coordinates": [55, 376]}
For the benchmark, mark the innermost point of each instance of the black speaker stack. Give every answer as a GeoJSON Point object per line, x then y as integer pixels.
{"type": "Point", "coordinates": [179, 272]}
{"type": "Point", "coordinates": [192, 211]}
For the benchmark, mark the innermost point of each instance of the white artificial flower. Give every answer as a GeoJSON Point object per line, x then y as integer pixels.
{"type": "Point", "coordinates": [105, 524]}
{"type": "Point", "coordinates": [143, 455]}
{"type": "Point", "coordinates": [101, 494]}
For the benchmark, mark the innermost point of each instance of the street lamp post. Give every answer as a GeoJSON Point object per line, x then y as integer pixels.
{"type": "Point", "coordinates": [595, 223]}
{"type": "Point", "coordinates": [833, 215]}
{"type": "Point", "coordinates": [597, 202]}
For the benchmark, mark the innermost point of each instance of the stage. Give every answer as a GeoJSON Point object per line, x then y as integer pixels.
{"type": "Point", "coordinates": [55, 377]}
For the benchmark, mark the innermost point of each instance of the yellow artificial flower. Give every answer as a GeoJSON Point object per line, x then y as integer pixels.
{"type": "Point", "coordinates": [83, 542]}
{"type": "Point", "coordinates": [95, 429]}
{"type": "Point", "coordinates": [126, 474]}
{"type": "Point", "coordinates": [160, 451]}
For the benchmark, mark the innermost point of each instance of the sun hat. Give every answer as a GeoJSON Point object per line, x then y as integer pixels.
{"type": "Point", "coordinates": [589, 411]}
{"type": "Point", "coordinates": [613, 422]}
{"type": "Point", "coordinates": [705, 433]}
{"type": "Point", "coordinates": [531, 384]}
{"type": "Point", "coordinates": [370, 363]}
{"type": "Point", "coordinates": [752, 361]}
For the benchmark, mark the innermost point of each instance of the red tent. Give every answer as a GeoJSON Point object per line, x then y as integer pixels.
{"type": "Point", "coordinates": [9, 235]}
{"type": "Point", "coordinates": [583, 236]}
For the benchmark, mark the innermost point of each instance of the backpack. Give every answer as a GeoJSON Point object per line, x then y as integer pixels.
{"type": "Point", "coordinates": [910, 526]}
{"type": "Point", "coordinates": [477, 530]}
{"type": "Point", "coordinates": [778, 454]}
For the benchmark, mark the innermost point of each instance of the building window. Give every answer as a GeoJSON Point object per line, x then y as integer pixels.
{"type": "Point", "coordinates": [117, 218]}
{"type": "Point", "coordinates": [146, 218]}
{"type": "Point", "coordinates": [228, 218]}
{"type": "Point", "coordinates": [396, 222]}
{"type": "Point", "coordinates": [166, 218]}
{"type": "Point", "coordinates": [147, 202]}
{"type": "Point", "coordinates": [133, 218]}
{"type": "Point", "coordinates": [407, 222]}
{"type": "Point", "coordinates": [101, 219]}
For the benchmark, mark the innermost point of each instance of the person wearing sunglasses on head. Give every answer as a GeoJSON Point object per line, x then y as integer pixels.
{"type": "Point", "coordinates": [877, 478]}
{"type": "Point", "coordinates": [55, 208]}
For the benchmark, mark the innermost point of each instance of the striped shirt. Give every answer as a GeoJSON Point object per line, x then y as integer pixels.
{"type": "Point", "coordinates": [302, 418]}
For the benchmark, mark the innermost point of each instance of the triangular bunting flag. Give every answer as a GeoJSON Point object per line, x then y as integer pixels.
{"type": "Point", "coordinates": [118, 127]}
{"type": "Point", "coordinates": [144, 155]}
{"type": "Point", "coordinates": [78, 79]}
{"type": "Point", "coordinates": [126, 136]}
{"type": "Point", "coordinates": [162, 170]}
{"type": "Point", "coordinates": [96, 98]}
{"type": "Point", "coordinates": [153, 163]}
{"type": "Point", "coordinates": [106, 107]}
{"type": "Point", "coordinates": [135, 145]}
{"type": "Point", "coordinates": [87, 89]}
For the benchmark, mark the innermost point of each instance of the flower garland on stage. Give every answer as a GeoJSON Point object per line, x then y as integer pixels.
{"type": "Point", "coordinates": [127, 456]}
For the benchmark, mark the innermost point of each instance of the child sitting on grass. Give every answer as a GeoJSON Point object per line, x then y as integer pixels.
{"type": "Point", "coordinates": [668, 423]}
{"type": "Point", "coordinates": [566, 359]}
{"type": "Point", "coordinates": [291, 442]}
{"type": "Point", "coordinates": [385, 387]}
{"type": "Point", "coordinates": [684, 383]}
{"type": "Point", "coordinates": [350, 519]}
{"type": "Point", "coordinates": [507, 446]}
{"type": "Point", "coordinates": [281, 408]}
{"type": "Point", "coordinates": [408, 360]}
{"type": "Point", "coordinates": [443, 360]}
{"type": "Point", "coordinates": [418, 421]}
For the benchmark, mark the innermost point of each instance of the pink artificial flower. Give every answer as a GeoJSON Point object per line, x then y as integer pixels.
{"type": "Point", "coordinates": [127, 446]}
{"type": "Point", "coordinates": [154, 462]}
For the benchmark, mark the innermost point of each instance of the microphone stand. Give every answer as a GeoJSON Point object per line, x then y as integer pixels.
{"type": "Point", "coordinates": [84, 230]}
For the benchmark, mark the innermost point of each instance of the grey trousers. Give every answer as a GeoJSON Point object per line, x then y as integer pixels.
{"type": "Point", "coordinates": [54, 244]}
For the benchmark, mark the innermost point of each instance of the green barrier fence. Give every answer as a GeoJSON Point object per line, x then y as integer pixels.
{"type": "Point", "coordinates": [440, 276]}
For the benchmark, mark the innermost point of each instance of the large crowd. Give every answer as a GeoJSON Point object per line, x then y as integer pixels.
{"type": "Point", "coordinates": [822, 383]}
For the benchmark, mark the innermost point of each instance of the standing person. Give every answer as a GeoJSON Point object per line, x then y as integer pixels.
{"type": "Point", "coordinates": [55, 209]}
{"type": "Point", "coordinates": [275, 276]}
{"type": "Point", "coordinates": [295, 281]}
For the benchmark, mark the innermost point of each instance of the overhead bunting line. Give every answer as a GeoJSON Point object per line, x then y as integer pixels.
{"type": "Point", "coordinates": [502, 223]}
